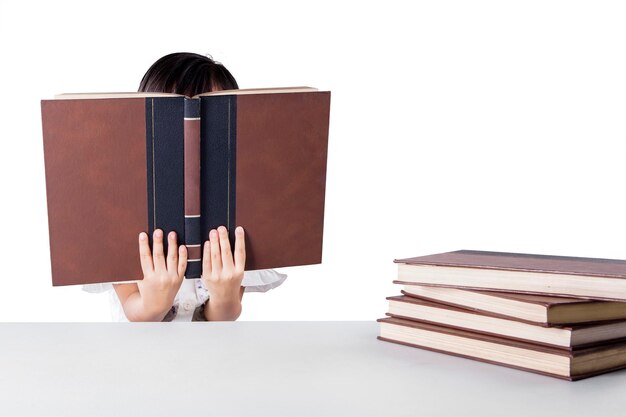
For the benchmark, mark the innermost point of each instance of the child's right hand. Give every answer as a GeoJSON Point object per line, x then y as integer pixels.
{"type": "Point", "coordinates": [162, 274]}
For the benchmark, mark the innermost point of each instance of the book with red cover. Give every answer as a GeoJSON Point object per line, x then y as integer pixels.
{"type": "Point", "coordinates": [121, 163]}
{"type": "Point", "coordinates": [560, 363]}
{"type": "Point", "coordinates": [543, 310]}
{"type": "Point", "coordinates": [566, 337]}
{"type": "Point", "coordinates": [594, 278]}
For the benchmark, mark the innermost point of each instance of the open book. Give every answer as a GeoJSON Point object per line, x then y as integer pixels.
{"type": "Point", "coordinates": [121, 163]}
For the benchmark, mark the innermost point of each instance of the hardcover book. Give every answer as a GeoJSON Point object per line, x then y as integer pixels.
{"type": "Point", "coordinates": [543, 310]}
{"type": "Point", "coordinates": [121, 163]}
{"type": "Point", "coordinates": [594, 278]}
{"type": "Point", "coordinates": [561, 363]}
{"type": "Point", "coordinates": [562, 336]}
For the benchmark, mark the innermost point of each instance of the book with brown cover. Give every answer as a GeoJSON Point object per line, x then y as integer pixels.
{"type": "Point", "coordinates": [560, 363]}
{"type": "Point", "coordinates": [566, 337]}
{"type": "Point", "coordinates": [119, 164]}
{"type": "Point", "coordinates": [543, 310]}
{"type": "Point", "coordinates": [594, 278]}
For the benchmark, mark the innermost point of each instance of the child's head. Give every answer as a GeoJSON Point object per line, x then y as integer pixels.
{"type": "Point", "coordinates": [187, 73]}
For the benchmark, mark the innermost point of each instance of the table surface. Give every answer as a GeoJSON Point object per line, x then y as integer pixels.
{"type": "Point", "coordinates": [267, 369]}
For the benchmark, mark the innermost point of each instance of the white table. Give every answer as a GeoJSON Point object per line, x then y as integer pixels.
{"type": "Point", "coordinates": [268, 369]}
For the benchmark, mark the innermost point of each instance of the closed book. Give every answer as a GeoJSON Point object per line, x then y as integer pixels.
{"type": "Point", "coordinates": [543, 310]}
{"type": "Point", "coordinates": [121, 163]}
{"type": "Point", "coordinates": [561, 363]}
{"type": "Point", "coordinates": [594, 278]}
{"type": "Point", "coordinates": [567, 337]}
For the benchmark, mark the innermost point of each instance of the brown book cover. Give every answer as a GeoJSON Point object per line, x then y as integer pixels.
{"type": "Point", "coordinates": [566, 337]}
{"type": "Point", "coordinates": [543, 310]}
{"type": "Point", "coordinates": [560, 363]}
{"type": "Point", "coordinates": [594, 278]}
{"type": "Point", "coordinates": [119, 164]}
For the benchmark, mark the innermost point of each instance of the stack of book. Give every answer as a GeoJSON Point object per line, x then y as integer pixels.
{"type": "Point", "coordinates": [559, 316]}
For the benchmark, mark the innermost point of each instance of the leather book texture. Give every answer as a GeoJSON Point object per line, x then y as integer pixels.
{"type": "Point", "coordinates": [407, 298]}
{"type": "Point", "coordinates": [546, 310]}
{"type": "Point", "coordinates": [589, 278]}
{"type": "Point", "coordinates": [116, 166]}
{"type": "Point", "coordinates": [484, 311]}
{"type": "Point", "coordinates": [558, 336]}
{"type": "Point", "coordinates": [96, 185]}
{"type": "Point", "coordinates": [594, 360]}
{"type": "Point", "coordinates": [613, 268]}
{"type": "Point", "coordinates": [266, 166]}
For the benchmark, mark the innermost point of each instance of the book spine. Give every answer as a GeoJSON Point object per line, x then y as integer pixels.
{"type": "Point", "coordinates": [193, 233]}
{"type": "Point", "coordinates": [165, 167]}
{"type": "Point", "coordinates": [218, 163]}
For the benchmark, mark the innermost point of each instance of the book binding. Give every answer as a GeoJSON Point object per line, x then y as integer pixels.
{"type": "Point", "coordinates": [218, 164]}
{"type": "Point", "coordinates": [165, 167]}
{"type": "Point", "coordinates": [193, 235]}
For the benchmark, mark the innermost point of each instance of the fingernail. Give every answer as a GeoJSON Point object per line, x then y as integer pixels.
{"type": "Point", "coordinates": [239, 230]}
{"type": "Point", "coordinates": [158, 233]}
{"type": "Point", "coordinates": [142, 236]}
{"type": "Point", "coordinates": [172, 235]}
{"type": "Point", "coordinates": [221, 229]}
{"type": "Point", "coordinates": [213, 234]}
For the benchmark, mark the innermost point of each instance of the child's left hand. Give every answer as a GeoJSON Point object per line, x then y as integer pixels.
{"type": "Point", "coordinates": [222, 275]}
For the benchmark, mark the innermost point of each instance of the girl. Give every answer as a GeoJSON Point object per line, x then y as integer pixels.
{"type": "Point", "coordinates": [164, 294]}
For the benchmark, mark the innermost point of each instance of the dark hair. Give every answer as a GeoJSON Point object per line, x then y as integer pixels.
{"type": "Point", "coordinates": [187, 73]}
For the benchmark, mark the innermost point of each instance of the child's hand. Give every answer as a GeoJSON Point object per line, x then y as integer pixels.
{"type": "Point", "coordinates": [162, 276]}
{"type": "Point", "coordinates": [222, 275]}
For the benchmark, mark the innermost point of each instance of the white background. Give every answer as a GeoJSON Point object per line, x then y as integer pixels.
{"type": "Point", "coordinates": [490, 125]}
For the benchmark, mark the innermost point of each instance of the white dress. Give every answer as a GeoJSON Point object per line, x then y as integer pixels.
{"type": "Point", "coordinates": [189, 301]}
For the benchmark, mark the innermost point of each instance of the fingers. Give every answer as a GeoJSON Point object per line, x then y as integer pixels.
{"type": "Point", "coordinates": [158, 258]}
{"type": "Point", "coordinates": [240, 249]}
{"type": "Point", "coordinates": [172, 252]}
{"type": "Point", "coordinates": [182, 260]}
{"type": "Point", "coordinates": [144, 254]}
{"type": "Point", "coordinates": [227, 256]}
{"type": "Point", "coordinates": [206, 259]}
{"type": "Point", "coordinates": [216, 257]}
